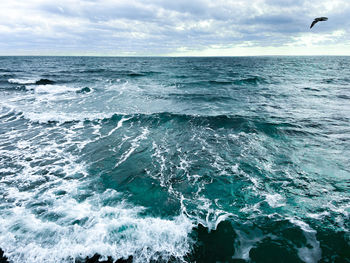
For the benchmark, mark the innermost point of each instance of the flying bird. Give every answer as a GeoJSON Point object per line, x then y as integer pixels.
{"type": "Point", "coordinates": [318, 19]}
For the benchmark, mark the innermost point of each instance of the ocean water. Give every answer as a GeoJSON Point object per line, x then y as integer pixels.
{"type": "Point", "coordinates": [175, 159]}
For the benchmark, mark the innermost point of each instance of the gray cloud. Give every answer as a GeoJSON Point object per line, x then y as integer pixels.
{"type": "Point", "coordinates": [156, 27]}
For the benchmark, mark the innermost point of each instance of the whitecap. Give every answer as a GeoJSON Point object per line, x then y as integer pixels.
{"type": "Point", "coordinates": [53, 89]}
{"type": "Point", "coordinates": [275, 200]}
{"type": "Point", "coordinates": [118, 231]}
{"type": "Point", "coordinates": [22, 81]}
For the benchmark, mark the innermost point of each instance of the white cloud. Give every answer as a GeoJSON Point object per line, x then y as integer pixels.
{"type": "Point", "coordinates": [159, 27]}
{"type": "Point", "coordinates": [312, 39]}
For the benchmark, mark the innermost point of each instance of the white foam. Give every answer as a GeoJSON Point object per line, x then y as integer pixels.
{"type": "Point", "coordinates": [245, 242]}
{"type": "Point", "coordinates": [160, 159]}
{"type": "Point", "coordinates": [275, 200]}
{"type": "Point", "coordinates": [135, 143]}
{"type": "Point", "coordinates": [53, 89]}
{"type": "Point", "coordinates": [311, 253]}
{"type": "Point", "coordinates": [116, 231]}
{"type": "Point", "coordinates": [318, 216]}
{"type": "Point", "coordinates": [44, 222]}
{"type": "Point", "coordinates": [43, 109]}
{"type": "Point", "coordinates": [22, 81]}
{"type": "Point", "coordinates": [48, 116]}
{"type": "Point", "coordinates": [206, 214]}
{"type": "Point", "coordinates": [119, 125]}
{"type": "Point", "coordinates": [251, 209]}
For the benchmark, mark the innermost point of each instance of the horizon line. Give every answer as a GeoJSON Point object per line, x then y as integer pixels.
{"type": "Point", "coordinates": [179, 56]}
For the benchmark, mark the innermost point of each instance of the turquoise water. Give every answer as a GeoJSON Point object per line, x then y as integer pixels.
{"type": "Point", "coordinates": [175, 159]}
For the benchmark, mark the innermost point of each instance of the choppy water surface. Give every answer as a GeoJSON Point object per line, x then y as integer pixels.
{"type": "Point", "coordinates": [175, 159]}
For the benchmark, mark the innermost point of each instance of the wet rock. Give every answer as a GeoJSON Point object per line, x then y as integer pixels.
{"type": "Point", "coordinates": [3, 259]}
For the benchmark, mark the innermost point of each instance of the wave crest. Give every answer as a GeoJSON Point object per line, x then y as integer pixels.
{"type": "Point", "coordinates": [31, 81]}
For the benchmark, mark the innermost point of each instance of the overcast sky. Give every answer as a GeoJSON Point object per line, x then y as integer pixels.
{"type": "Point", "coordinates": [176, 27]}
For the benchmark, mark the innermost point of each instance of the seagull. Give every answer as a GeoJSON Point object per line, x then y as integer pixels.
{"type": "Point", "coordinates": [318, 19]}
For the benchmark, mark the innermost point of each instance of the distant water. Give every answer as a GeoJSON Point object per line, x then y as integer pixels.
{"type": "Point", "coordinates": [175, 159]}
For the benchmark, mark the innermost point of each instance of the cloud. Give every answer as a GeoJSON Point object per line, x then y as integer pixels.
{"type": "Point", "coordinates": [159, 27]}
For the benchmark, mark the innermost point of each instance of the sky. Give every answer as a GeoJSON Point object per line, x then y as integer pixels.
{"type": "Point", "coordinates": [174, 28]}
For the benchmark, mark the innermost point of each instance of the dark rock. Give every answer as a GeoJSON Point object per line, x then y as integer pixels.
{"type": "Point", "coordinates": [96, 258]}
{"type": "Point", "coordinates": [3, 259]}
{"type": "Point", "coordinates": [271, 251]}
{"type": "Point", "coordinates": [84, 90]}
{"type": "Point", "coordinates": [128, 260]}
{"type": "Point", "coordinates": [44, 82]}
{"type": "Point", "coordinates": [216, 245]}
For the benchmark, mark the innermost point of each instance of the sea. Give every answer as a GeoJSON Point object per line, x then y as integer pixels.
{"type": "Point", "coordinates": [175, 159]}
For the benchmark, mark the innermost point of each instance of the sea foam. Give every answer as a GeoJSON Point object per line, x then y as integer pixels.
{"type": "Point", "coordinates": [116, 231]}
